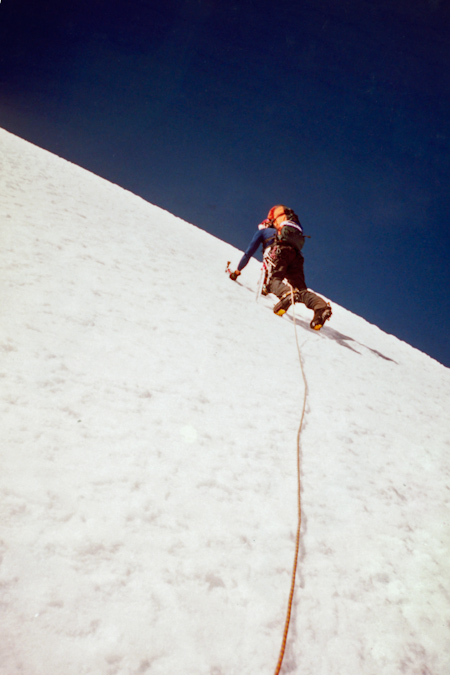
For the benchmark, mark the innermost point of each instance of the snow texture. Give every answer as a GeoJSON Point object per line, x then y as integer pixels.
{"type": "Point", "coordinates": [148, 484]}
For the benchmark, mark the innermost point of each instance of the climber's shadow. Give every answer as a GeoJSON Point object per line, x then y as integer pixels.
{"type": "Point", "coordinates": [344, 340]}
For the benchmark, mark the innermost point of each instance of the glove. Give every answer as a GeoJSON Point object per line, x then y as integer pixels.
{"type": "Point", "coordinates": [234, 275]}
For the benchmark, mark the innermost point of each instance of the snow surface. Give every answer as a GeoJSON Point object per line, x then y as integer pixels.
{"type": "Point", "coordinates": [149, 413]}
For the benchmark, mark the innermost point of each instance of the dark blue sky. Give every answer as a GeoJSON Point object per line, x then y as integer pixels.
{"type": "Point", "coordinates": [216, 110]}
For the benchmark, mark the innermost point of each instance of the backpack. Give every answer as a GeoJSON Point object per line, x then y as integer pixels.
{"type": "Point", "coordinates": [291, 234]}
{"type": "Point", "coordinates": [289, 230]}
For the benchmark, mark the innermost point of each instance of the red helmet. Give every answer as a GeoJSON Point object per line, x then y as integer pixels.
{"type": "Point", "coordinates": [281, 210]}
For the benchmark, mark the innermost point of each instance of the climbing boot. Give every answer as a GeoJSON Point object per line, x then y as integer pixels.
{"type": "Point", "coordinates": [320, 316]}
{"type": "Point", "coordinates": [285, 302]}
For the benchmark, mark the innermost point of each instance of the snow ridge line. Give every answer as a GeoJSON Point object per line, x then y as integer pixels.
{"type": "Point", "coordinates": [299, 503]}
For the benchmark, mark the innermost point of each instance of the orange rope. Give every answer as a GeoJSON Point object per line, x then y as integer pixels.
{"type": "Point", "coordinates": [299, 503]}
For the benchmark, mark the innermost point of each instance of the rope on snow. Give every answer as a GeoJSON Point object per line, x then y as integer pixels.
{"type": "Point", "coordinates": [297, 538]}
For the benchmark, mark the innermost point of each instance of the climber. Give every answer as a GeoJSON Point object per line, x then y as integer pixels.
{"type": "Point", "coordinates": [284, 263]}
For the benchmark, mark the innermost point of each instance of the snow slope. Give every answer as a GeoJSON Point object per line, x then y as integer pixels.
{"type": "Point", "coordinates": [149, 413]}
